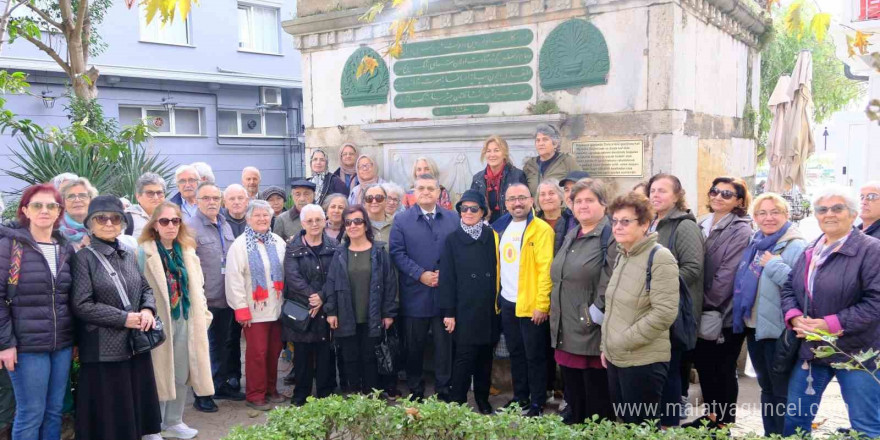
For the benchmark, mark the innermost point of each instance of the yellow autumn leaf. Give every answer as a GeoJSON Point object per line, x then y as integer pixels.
{"type": "Point", "coordinates": [793, 19]}
{"type": "Point", "coordinates": [367, 64]}
{"type": "Point", "coordinates": [819, 25]}
{"type": "Point", "coordinates": [861, 42]}
{"type": "Point", "coordinates": [850, 51]}
{"type": "Point", "coordinates": [395, 50]}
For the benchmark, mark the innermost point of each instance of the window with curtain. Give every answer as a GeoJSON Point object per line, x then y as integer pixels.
{"type": "Point", "coordinates": [258, 28]}
{"type": "Point", "coordinates": [174, 32]}
{"type": "Point", "coordinates": [251, 124]}
{"type": "Point", "coordinates": [177, 122]}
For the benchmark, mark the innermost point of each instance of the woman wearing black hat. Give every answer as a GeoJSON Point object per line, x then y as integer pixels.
{"type": "Point", "coordinates": [117, 390]}
{"type": "Point", "coordinates": [468, 291]}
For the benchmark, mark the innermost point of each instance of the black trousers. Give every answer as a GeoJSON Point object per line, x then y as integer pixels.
{"type": "Point", "coordinates": [313, 362]}
{"type": "Point", "coordinates": [472, 361]}
{"type": "Point", "coordinates": [636, 391]}
{"type": "Point", "coordinates": [670, 403]}
{"type": "Point", "coordinates": [233, 362]}
{"type": "Point", "coordinates": [359, 353]}
{"type": "Point", "coordinates": [416, 330]}
{"type": "Point", "coordinates": [687, 363]}
{"type": "Point", "coordinates": [716, 364]}
{"type": "Point", "coordinates": [587, 392]}
{"type": "Point", "coordinates": [528, 354]}
{"type": "Point", "coordinates": [774, 388]}
{"type": "Point", "coordinates": [218, 343]}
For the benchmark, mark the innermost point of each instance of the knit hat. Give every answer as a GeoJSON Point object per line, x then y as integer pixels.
{"type": "Point", "coordinates": [475, 196]}
{"type": "Point", "coordinates": [302, 183]}
{"type": "Point", "coordinates": [273, 190]}
{"type": "Point", "coordinates": [104, 204]}
{"type": "Point", "coordinates": [574, 176]}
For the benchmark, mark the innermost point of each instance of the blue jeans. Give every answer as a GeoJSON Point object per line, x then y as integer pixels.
{"type": "Point", "coordinates": [861, 393]}
{"type": "Point", "coordinates": [40, 383]}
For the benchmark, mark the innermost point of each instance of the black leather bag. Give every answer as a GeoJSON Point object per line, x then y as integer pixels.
{"type": "Point", "coordinates": [387, 352]}
{"type": "Point", "coordinates": [786, 353]}
{"type": "Point", "coordinates": [144, 341]}
{"type": "Point", "coordinates": [295, 316]}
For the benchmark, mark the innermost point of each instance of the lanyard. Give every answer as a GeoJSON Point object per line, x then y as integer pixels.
{"type": "Point", "coordinates": [222, 243]}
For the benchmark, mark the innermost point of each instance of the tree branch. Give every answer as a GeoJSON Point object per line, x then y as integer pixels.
{"type": "Point", "coordinates": [80, 19]}
{"type": "Point", "coordinates": [42, 15]}
{"type": "Point", "coordinates": [49, 51]}
{"type": "Point", "coordinates": [66, 14]}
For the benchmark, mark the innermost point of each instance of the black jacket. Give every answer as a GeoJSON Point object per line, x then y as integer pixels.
{"type": "Point", "coordinates": [873, 230]}
{"type": "Point", "coordinates": [332, 184]}
{"type": "Point", "coordinates": [39, 318]}
{"type": "Point", "coordinates": [383, 291]}
{"type": "Point", "coordinates": [237, 225]}
{"type": "Point", "coordinates": [101, 332]}
{"type": "Point", "coordinates": [468, 288]}
{"type": "Point", "coordinates": [565, 223]}
{"type": "Point", "coordinates": [304, 274]}
{"type": "Point", "coordinates": [511, 175]}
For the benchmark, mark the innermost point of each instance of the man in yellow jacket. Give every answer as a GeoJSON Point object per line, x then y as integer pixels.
{"type": "Point", "coordinates": [526, 252]}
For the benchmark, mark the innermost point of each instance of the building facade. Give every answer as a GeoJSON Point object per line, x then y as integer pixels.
{"type": "Point", "coordinates": [222, 86]}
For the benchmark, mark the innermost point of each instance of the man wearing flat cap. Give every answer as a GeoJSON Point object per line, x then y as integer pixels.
{"type": "Point", "coordinates": [287, 224]}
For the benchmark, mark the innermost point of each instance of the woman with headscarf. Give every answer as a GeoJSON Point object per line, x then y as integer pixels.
{"type": "Point", "coordinates": [325, 182]}
{"type": "Point", "coordinates": [347, 171]}
{"type": "Point", "coordinates": [368, 173]}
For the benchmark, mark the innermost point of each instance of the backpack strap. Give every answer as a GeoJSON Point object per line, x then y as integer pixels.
{"type": "Point", "coordinates": [126, 304]}
{"type": "Point", "coordinates": [603, 240]}
{"type": "Point", "coordinates": [648, 269]}
{"type": "Point", "coordinates": [14, 271]}
{"type": "Point", "coordinates": [671, 245]}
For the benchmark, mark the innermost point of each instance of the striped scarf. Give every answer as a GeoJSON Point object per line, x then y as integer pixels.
{"type": "Point", "coordinates": [258, 271]}
{"type": "Point", "coordinates": [72, 230]}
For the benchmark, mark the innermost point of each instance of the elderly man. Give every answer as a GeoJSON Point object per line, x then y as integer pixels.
{"type": "Point", "coordinates": [205, 172]}
{"type": "Point", "coordinates": [213, 238]}
{"type": "Point", "coordinates": [416, 241]}
{"type": "Point", "coordinates": [870, 213]}
{"type": "Point", "coordinates": [149, 193]}
{"type": "Point", "coordinates": [250, 180]}
{"type": "Point", "coordinates": [187, 178]}
{"type": "Point", "coordinates": [235, 199]}
{"type": "Point", "coordinates": [288, 224]}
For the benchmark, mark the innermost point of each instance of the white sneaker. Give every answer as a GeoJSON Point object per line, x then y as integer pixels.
{"type": "Point", "coordinates": [151, 437]}
{"type": "Point", "coordinates": [180, 431]}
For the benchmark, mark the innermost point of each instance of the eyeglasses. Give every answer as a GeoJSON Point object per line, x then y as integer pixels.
{"type": "Point", "coordinates": [215, 199]}
{"type": "Point", "coordinates": [78, 196]}
{"type": "Point", "coordinates": [870, 197]}
{"type": "Point", "coordinates": [426, 188]}
{"type": "Point", "coordinates": [379, 198]}
{"type": "Point", "coordinates": [773, 213]}
{"type": "Point", "coordinates": [165, 221]}
{"type": "Point", "coordinates": [38, 206]}
{"type": "Point", "coordinates": [154, 194]}
{"type": "Point", "coordinates": [725, 194]}
{"type": "Point", "coordinates": [319, 159]}
{"type": "Point", "coordinates": [365, 166]}
{"type": "Point", "coordinates": [518, 199]}
{"type": "Point", "coordinates": [236, 199]}
{"type": "Point", "coordinates": [837, 209]}
{"type": "Point", "coordinates": [187, 181]}
{"type": "Point", "coordinates": [354, 221]}
{"type": "Point", "coordinates": [314, 221]}
{"type": "Point", "coordinates": [103, 219]}
{"type": "Point", "coordinates": [625, 222]}
{"type": "Point", "coordinates": [393, 200]}
{"type": "Point", "coordinates": [471, 209]}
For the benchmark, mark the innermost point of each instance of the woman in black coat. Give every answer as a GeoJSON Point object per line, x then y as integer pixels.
{"type": "Point", "coordinates": [467, 294]}
{"type": "Point", "coordinates": [306, 262]}
{"type": "Point", "coordinates": [492, 182]}
{"type": "Point", "coordinates": [325, 182]}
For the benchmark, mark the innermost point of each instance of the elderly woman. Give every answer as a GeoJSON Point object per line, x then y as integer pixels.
{"type": "Point", "coordinates": [347, 171]}
{"type": "Point", "coordinates": [254, 285]}
{"type": "Point", "coordinates": [499, 174]}
{"type": "Point", "coordinates": [728, 231]}
{"type": "Point", "coordinates": [870, 212]}
{"type": "Point", "coordinates": [834, 287]}
{"type": "Point", "coordinates": [580, 272]}
{"type": "Point", "coordinates": [425, 165]}
{"type": "Point", "coordinates": [171, 267]}
{"type": "Point", "coordinates": [553, 209]}
{"type": "Point", "coordinates": [375, 200]}
{"type": "Point", "coordinates": [368, 173]}
{"type": "Point", "coordinates": [395, 195]}
{"type": "Point", "coordinates": [361, 299]}
{"type": "Point", "coordinates": [325, 182]}
{"type": "Point", "coordinates": [757, 310]}
{"type": "Point", "coordinates": [276, 198]}
{"type": "Point", "coordinates": [677, 229]}
{"type": "Point", "coordinates": [59, 180]}
{"type": "Point", "coordinates": [149, 193]}
{"type": "Point", "coordinates": [117, 397]}
{"type": "Point", "coordinates": [550, 162]}
{"type": "Point", "coordinates": [333, 206]}
{"type": "Point", "coordinates": [641, 303]}
{"type": "Point", "coordinates": [77, 194]}
{"type": "Point", "coordinates": [306, 262]}
{"type": "Point", "coordinates": [36, 323]}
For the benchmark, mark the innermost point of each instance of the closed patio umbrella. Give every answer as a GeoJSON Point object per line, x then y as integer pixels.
{"type": "Point", "coordinates": [796, 141]}
{"type": "Point", "coordinates": [780, 104]}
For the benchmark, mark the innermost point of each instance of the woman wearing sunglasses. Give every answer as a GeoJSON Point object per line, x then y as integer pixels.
{"type": "Point", "coordinates": [376, 200]}
{"type": "Point", "coordinates": [835, 287]}
{"type": "Point", "coordinates": [728, 230]}
{"type": "Point", "coordinates": [170, 265]}
{"type": "Point", "coordinates": [36, 323]}
{"type": "Point", "coordinates": [361, 293]}
{"type": "Point", "coordinates": [117, 396]}
{"type": "Point", "coordinates": [77, 194]}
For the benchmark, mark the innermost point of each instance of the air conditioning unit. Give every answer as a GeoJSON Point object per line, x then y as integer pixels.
{"type": "Point", "coordinates": [270, 96]}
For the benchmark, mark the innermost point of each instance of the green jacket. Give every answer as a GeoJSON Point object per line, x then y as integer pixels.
{"type": "Point", "coordinates": [558, 169]}
{"type": "Point", "coordinates": [688, 250]}
{"type": "Point", "coordinates": [636, 327]}
{"type": "Point", "coordinates": [287, 224]}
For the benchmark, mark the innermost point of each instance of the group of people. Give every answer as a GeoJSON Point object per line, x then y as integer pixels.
{"type": "Point", "coordinates": [625, 295]}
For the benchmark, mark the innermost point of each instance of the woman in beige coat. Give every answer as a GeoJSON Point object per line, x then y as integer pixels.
{"type": "Point", "coordinates": [168, 260]}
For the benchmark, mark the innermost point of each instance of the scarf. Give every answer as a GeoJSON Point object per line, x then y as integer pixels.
{"type": "Point", "coordinates": [347, 174]}
{"type": "Point", "coordinates": [493, 184]}
{"type": "Point", "coordinates": [178, 281]}
{"type": "Point", "coordinates": [543, 165]}
{"type": "Point", "coordinates": [474, 231]}
{"type": "Point", "coordinates": [72, 230]}
{"type": "Point", "coordinates": [319, 178]}
{"type": "Point", "coordinates": [821, 251]}
{"type": "Point", "coordinates": [748, 273]}
{"type": "Point", "coordinates": [258, 271]}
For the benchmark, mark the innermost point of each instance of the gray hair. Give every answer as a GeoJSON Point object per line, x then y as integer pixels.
{"type": "Point", "coordinates": [61, 178]}
{"type": "Point", "coordinates": [93, 192]}
{"type": "Point", "coordinates": [554, 183]}
{"type": "Point", "coordinates": [549, 131]}
{"type": "Point", "coordinates": [208, 183]}
{"type": "Point", "coordinates": [838, 191]}
{"type": "Point", "coordinates": [204, 170]}
{"type": "Point", "coordinates": [310, 208]}
{"type": "Point", "coordinates": [149, 179]}
{"type": "Point", "coordinates": [427, 177]}
{"type": "Point", "coordinates": [435, 170]}
{"type": "Point", "coordinates": [329, 199]}
{"type": "Point", "coordinates": [184, 168]}
{"type": "Point", "coordinates": [873, 184]}
{"type": "Point", "coordinates": [391, 187]}
{"type": "Point", "coordinates": [254, 169]}
{"type": "Point", "coordinates": [235, 187]}
{"type": "Point", "coordinates": [258, 204]}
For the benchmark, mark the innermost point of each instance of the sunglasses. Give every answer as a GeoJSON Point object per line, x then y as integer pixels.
{"type": "Point", "coordinates": [870, 197]}
{"type": "Point", "coordinates": [165, 221]}
{"type": "Point", "coordinates": [377, 198]}
{"type": "Point", "coordinates": [725, 194]}
{"type": "Point", "coordinates": [154, 194]}
{"type": "Point", "coordinates": [625, 222]}
{"type": "Point", "coordinates": [38, 206]}
{"type": "Point", "coordinates": [837, 209]}
{"type": "Point", "coordinates": [354, 221]}
{"type": "Point", "coordinates": [471, 209]}
{"type": "Point", "coordinates": [103, 219]}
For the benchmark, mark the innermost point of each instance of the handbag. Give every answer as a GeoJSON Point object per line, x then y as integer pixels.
{"type": "Point", "coordinates": [295, 316]}
{"type": "Point", "coordinates": [788, 346]}
{"type": "Point", "coordinates": [387, 352]}
{"type": "Point", "coordinates": [711, 322]}
{"type": "Point", "coordinates": [140, 341]}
